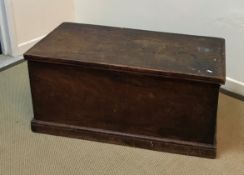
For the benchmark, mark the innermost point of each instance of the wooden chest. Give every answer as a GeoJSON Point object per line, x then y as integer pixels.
{"type": "Point", "coordinates": [132, 87]}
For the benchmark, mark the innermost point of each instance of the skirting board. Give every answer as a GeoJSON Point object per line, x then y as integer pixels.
{"type": "Point", "coordinates": [234, 86]}
{"type": "Point", "coordinates": [24, 46]}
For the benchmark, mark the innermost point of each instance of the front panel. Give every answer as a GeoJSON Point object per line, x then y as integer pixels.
{"type": "Point", "coordinates": [123, 102]}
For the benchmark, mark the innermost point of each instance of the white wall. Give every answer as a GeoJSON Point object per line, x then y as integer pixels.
{"type": "Point", "coordinates": [30, 20]}
{"type": "Point", "coordinates": [219, 18]}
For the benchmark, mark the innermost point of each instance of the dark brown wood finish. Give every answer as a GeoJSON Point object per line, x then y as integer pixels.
{"type": "Point", "coordinates": [173, 55]}
{"type": "Point", "coordinates": [146, 89]}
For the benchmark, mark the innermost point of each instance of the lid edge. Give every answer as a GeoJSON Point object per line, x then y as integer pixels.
{"type": "Point", "coordinates": [121, 68]}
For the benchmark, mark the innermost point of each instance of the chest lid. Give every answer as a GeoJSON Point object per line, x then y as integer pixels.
{"type": "Point", "coordinates": [156, 53]}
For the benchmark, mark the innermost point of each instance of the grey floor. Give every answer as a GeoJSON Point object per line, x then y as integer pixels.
{"type": "Point", "coordinates": [25, 153]}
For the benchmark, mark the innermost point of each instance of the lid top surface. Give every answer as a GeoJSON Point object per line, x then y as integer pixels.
{"type": "Point", "coordinates": [192, 57]}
